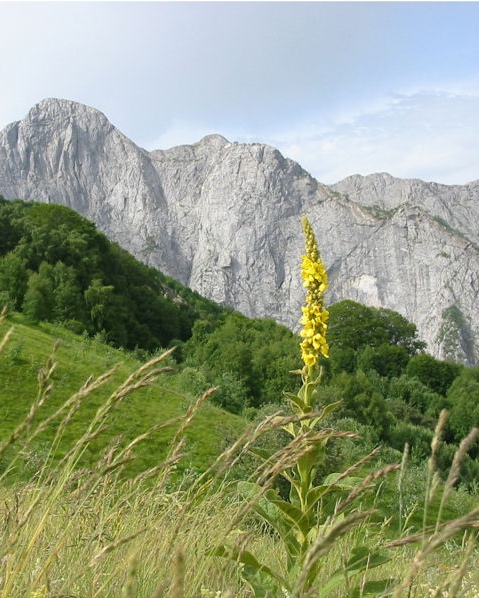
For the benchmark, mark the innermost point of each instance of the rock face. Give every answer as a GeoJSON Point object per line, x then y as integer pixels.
{"type": "Point", "coordinates": [224, 219]}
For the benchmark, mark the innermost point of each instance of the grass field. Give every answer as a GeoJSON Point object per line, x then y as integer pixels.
{"type": "Point", "coordinates": [76, 360]}
{"type": "Point", "coordinates": [113, 484]}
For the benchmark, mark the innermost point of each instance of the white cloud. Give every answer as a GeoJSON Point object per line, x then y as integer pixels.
{"type": "Point", "coordinates": [430, 135]}
{"type": "Point", "coordinates": [426, 134]}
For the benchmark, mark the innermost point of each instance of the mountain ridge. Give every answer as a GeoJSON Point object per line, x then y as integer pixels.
{"type": "Point", "coordinates": [224, 218]}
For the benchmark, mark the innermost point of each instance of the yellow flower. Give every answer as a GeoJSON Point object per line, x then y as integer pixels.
{"type": "Point", "coordinates": [315, 315]}
{"type": "Point", "coordinates": [309, 359]}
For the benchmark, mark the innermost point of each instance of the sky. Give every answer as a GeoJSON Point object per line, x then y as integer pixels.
{"type": "Point", "coordinates": [343, 88]}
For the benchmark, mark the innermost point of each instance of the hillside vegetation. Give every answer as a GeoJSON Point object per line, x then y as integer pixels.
{"type": "Point", "coordinates": [211, 468]}
{"type": "Point", "coordinates": [32, 349]}
{"type": "Point", "coordinates": [55, 266]}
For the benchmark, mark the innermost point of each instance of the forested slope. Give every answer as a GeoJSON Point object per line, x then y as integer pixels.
{"type": "Point", "coordinates": [56, 267]}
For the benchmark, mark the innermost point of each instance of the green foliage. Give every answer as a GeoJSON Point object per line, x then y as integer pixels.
{"type": "Point", "coordinates": [455, 332]}
{"type": "Point", "coordinates": [55, 266]}
{"type": "Point", "coordinates": [417, 438]}
{"type": "Point", "coordinates": [364, 400]}
{"type": "Point", "coordinates": [413, 392]}
{"type": "Point", "coordinates": [258, 353]}
{"type": "Point", "coordinates": [463, 398]}
{"type": "Point", "coordinates": [353, 327]}
{"type": "Point", "coordinates": [13, 279]}
{"type": "Point", "coordinates": [387, 360]}
{"type": "Point", "coordinates": [230, 393]}
{"type": "Point", "coordinates": [38, 303]}
{"type": "Point", "coordinates": [433, 373]}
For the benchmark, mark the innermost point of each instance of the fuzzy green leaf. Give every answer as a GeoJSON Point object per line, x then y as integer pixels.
{"type": "Point", "coordinates": [361, 559]}
{"type": "Point", "coordinates": [297, 401]}
{"type": "Point", "coordinates": [248, 559]}
{"type": "Point", "coordinates": [325, 412]}
{"type": "Point", "coordinates": [290, 429]}
{"type": "Point", "coordinates": [294, 515]}
{"type": "Point", "coordinates": [265, 507]}
{"type": "Point", "coordinates": [316, 493]}
{"type": "Point", "coordinates": [377, 587]}
{"type": "Point", "coordinates": [346, 483]}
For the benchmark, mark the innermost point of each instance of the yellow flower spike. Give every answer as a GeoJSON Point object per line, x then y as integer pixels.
{"type": "Point", "coordinates": [315, 316]}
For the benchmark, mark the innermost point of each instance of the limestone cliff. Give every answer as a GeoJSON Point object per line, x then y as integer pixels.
{"type": "Point", "coordinates": [224, 218]}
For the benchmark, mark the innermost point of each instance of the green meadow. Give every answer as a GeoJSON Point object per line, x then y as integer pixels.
{"type": "Point", "coordinates": [77, 359]}
{"type": "Point", "coordinates": [153, 444]}
{"type": "Point", "coordinates": [131, 490]}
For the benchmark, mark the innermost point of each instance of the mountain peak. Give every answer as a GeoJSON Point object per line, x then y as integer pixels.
{"type": "Point", "coordinates": [61, 109]}
{"type": "Point", "coordinates": [213, 139]}
{"type": "Point", "coordinates": [224, 218]}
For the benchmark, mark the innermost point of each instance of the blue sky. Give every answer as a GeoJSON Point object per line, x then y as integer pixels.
{"type": "Point", "coordinates": [341, 87]}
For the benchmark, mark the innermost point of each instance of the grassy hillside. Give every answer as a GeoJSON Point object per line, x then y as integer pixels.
{"type": "Point", "coordinates": [118, 478]}
{"type": "Point", "coordinates": [84, 528]}
{"type": "Point", "coordinates": [79, 357]}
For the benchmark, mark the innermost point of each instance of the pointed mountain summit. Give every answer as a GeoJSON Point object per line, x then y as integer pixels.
{"type": "Point", "coordinates": [225, 219]}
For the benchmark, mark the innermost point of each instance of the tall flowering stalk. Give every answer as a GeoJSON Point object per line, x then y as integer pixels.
{"type": "Point", "coordinates": [307, 530]}
{"type": "Point", "coordinates": [305, 404]}
{"type": "Point", "coordinates": [312, 531]}
{"type": "Point", "coordinates": [315, 315]}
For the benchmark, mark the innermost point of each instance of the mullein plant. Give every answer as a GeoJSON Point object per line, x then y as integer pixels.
{"type": "Point", "coordinates": [323, 521]}
{"type": "Point", "coordinates": [319, 513]}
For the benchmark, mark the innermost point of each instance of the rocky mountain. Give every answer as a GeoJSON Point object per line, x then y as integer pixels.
{"type": "Point", "coordinates": [224, 219]}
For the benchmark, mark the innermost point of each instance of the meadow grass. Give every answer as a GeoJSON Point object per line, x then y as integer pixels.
{"type": "Point", "coordinates": [100, 528]}
{"type": "Point", "coordinates": [78, 358]}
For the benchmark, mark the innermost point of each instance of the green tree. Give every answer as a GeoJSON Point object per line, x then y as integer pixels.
{"type": "Point", "coordinates": [417, 437]}
{"type": "Point", "coordinates": [353, 326]}
{"type": "Point", "coordinates": [387, 360]}
{"type": "Point", "coordinates": [69, 305]}
{"type": "Point", "coordinates": [13, 278]}
{"type": "Point", "coordinates": [38, 303]}
{"type": "Point", "coordinates": [258, 353]}
{"type": "Point", "coordinates": [363, 395]}
{"type": "Point", "coordinates": [231, 393]}
{"type": "Point", "coordinates": [435, 374]}
{"type": "Point", "coordinates": [99, 300]}
{"type": "Point", "coordinates": [134, 305]}
{"type": "Point", "coordinates": [412, 392]}
{"type": "Point", "coordinates": [9, 235]}
{"type": "Point", "coordinates": [463, 397]}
